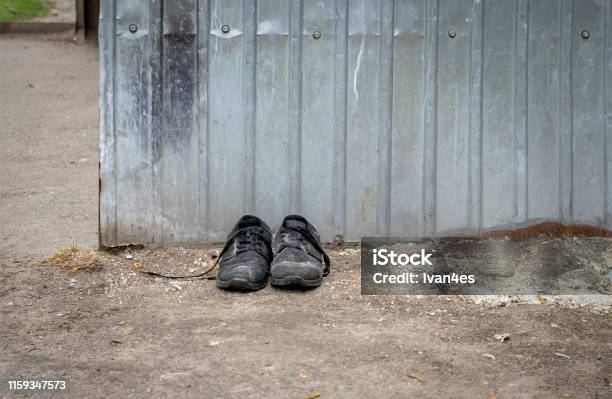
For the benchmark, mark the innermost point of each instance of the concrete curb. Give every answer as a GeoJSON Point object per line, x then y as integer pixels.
{"type": "Point", "coordinates": [36, 27]}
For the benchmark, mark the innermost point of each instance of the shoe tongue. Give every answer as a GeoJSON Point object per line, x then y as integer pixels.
{"type": "Point", "coordinates": [245, 222]}
{"type": "Point", "coordinates": [296, 224]}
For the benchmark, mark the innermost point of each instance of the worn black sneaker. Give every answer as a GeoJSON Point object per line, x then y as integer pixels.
{"type": "Point", "coordinates": [244, 262]}
{"type": "Point", "coordinates": [299, 259]}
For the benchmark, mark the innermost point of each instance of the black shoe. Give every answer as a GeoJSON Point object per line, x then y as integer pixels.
{"type": "Point", "coordinates": [244, 262]}
{"type": "Point", "coordinates": [299, 259]}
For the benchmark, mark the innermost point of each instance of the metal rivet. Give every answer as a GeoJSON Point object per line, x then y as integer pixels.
{"type": "Point", "coordinates": [225, 28]}
{"type": "Point", "coordinates": [585, 34]}
{"type": "Point", "coordinates": [316, 35]}
{"type": "Point", "coordinates": [452, 33]}
{"type": "Point", "coordinates": [133, 28]}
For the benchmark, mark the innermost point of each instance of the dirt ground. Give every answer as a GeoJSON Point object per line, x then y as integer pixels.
{"type": "Point", "coordinates": [63, 11]}
{"type": "Point", "coordinates": [114, 332]}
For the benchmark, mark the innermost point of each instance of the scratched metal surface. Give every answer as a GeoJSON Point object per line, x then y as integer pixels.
{"type": "Point", "coordinates": [384, 125]}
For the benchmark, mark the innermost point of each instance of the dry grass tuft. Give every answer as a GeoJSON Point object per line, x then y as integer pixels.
{"type": "Point", "coordinates": [72, 259]}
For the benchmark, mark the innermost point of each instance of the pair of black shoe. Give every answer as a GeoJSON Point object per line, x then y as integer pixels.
{"type": "Point", "coordinates": [247, 258]}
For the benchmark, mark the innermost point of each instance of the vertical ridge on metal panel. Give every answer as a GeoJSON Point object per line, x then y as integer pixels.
{"type": "Point", "coordinates": [132, 122]}
{"type": "Point", "coordinates": [155, 120]}
{"type": "Point", "coordinates": [588, 163]}
{"type": "Point", "coordinates": [340, 84]}
{"type": "Point", "coordinates": [226, 151]}
{"type": "Point", "coordinates": [274, 171]}
{"type": "Point", "coordinates": [607, 115]}
{"type": "Point", "coordinates": [296, 14]}
{"type": "Point", "coordinates": [180, 141]}
{"type": "Point", "coordinates": [385, 117]}
{"type": "Point", "coordinates": [362, 165]}
{"type": "Point", "coordinates": [108, 185]}
{"type": "Point", "coordinates": [565, 112]}
{"type": "Point", "coordinates": [203, 189]}
{"type": "Point", "coordinates": [543, 99]}
{"type": "Point", "coordinates": [520, 96]}
{"type": "Point", "coordinates": [475, 141]}
{"type": "Point", "coordinates": [430, 116]}
{"type": "Point", "coordinates": [250, 50]}
{"type": "Point", "coordinates": [406, 189]}
{"type": "Point", "coordinates": [452, 143]}
{"type": "Point", "coordinates": [317, 133]}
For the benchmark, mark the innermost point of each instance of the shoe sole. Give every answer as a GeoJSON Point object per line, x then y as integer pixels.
{"type": "Point", "coordinates": [295, 281]}
{"type": "Point", "coordinates": [240, 284]}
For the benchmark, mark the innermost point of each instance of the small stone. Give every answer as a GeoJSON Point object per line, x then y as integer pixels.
{"type": "Point", "coordinates": [129, 256]}
{"type": "Point", "coordinates": [502, 337]}
{"type": "Point", "coordinates": [489, 356]}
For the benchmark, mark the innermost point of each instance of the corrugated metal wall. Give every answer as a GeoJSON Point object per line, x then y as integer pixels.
{"type": "Point", "coordinates": [370, 117]}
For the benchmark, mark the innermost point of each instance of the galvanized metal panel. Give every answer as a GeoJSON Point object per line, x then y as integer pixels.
{"type": "Point", "coordinates": [276, 131]}
{"type": "Point", "coordinates": [380, 123]}
{"type": "Point", "coordinates": [317, 141]}
{"type": "Point", "coordinates": [588, 158]}
{"type": "Point", "coordinates": [405, 189]}
{"type": "Point", "coordinates": [179, 150]}
{"type": "Point", "coordinates": [226, 127]}
{"type": "Point", "coordinates": [498, 120]}
{"type": "Point", "coordinates": [132, 79]}
{"type": "Point", "coordinates": [453, 129]}
{"type": "Point", "coordinates": [543, 137]}
{"type": "Point", "coordinates": [362, 114]}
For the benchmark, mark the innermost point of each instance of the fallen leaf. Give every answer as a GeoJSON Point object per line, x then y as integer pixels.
{"type": "Point", "coordinates": [137, 265]}
{"type": "Point", "coordinates": [416, 377]}
{"type": "Point", "coordinates": [313, 395]}
{"type": "Point", "coordinates": [541, 299]}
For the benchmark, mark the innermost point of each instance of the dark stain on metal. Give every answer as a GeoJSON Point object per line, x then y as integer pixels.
{"type": "Point", "coordinates": [178, 93]}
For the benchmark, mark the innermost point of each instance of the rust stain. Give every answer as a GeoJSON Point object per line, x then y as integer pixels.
{"type": "Point", "coordinates": [552, 229]}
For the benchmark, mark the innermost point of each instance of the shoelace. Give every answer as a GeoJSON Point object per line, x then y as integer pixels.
{"type": "Point", "coordinates": [292, 236]}
{"type": "Point", "coordinates": [249, 238]}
